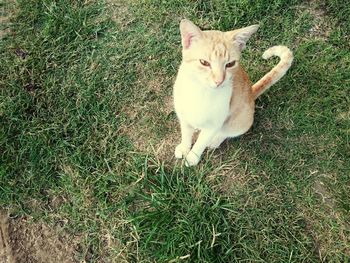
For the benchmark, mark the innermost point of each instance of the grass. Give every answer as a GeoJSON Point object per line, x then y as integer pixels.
{"type": "Point", "coordinates": [87, 133]}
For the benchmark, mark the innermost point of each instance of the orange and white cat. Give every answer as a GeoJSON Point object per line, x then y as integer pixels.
{"type": "Point", "coordinates": [212, 92]}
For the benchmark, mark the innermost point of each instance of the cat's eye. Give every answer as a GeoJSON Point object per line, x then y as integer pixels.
{"type": "Point", "coordinates": [231, 64]}
{"type": "Point", "coordinates": [204, 63]}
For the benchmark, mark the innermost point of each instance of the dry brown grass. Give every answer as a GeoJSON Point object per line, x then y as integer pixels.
{"type": "Point", "coordinates": [6, 13]}
{"type": "Point", "coordinates": [326, 224]}
{"type": "Point", "coordinates": [322, 25]}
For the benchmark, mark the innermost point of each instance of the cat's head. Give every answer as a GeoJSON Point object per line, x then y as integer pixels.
{"type": "Point", "coordinates": [213, 56]}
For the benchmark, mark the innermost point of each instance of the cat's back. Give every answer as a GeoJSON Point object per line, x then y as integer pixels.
{"type": "Point", "coordinates": [242, 88]}
{"type": "Point", "coordinates": [242, 103]}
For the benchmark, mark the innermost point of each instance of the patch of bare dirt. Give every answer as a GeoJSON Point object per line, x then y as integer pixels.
{"type": "Point", "coordinates": [150, 116]}
{"type": "Point", "coordinates": [142, 125]}
{"type": "Point", "coordinates": [22, 241]}
{"type": "Point", "coordinates": [5, 249]}
{"type": "Point", "coordinates": [328, 227]}
{"type": "Point", "coordinates": [330, 235]}
{"type": "Point", "coordinates": [120, 13]}
{"type": "Point", "coordinates": [6, 12]}
{"type": "Point", "coordinates": [324, 194]}
{"type": "Point", "coordinates": [3, 30]}
{"type": "Point", "coordinates": [322, 26]}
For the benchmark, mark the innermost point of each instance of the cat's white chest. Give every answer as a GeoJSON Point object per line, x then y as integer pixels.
{"type": "Point", "coordinates": [201, 107]}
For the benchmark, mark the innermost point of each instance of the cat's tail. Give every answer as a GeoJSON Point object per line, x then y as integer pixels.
{"type": "Point", "coordinates": [286, 58]}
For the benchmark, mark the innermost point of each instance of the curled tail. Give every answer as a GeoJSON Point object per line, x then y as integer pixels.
{"type": "Point", "coordinates": [277, 72]}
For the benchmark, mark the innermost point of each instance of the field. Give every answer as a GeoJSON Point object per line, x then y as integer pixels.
{"type": "Point", "coordinates": [88, 131]}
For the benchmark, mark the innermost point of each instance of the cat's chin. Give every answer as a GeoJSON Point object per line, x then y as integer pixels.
{"type": "Point", "coordinates": [215, 87]}
{"type": "Point", "coordinates": [223, 85]}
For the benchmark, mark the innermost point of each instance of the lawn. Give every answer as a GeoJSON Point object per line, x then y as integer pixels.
{"type": "Point", "coordinates": [88, 131]}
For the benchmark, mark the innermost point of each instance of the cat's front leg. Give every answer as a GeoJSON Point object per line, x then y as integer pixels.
{"type": "Point", "coordinates": [186, 140]}
{"type": "Point", "coordinates": [204, 139]}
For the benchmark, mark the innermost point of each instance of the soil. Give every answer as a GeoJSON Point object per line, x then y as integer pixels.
{"type": "Point", "coordinates": [22, 241]}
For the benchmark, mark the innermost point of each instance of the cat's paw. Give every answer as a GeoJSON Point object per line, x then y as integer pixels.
{"type": "Point", "coordinates": [181, 151]}
{"type": "Point", "coordinates": [192, 159]}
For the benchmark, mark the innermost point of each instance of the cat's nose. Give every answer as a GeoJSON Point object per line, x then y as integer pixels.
{"type": "Point", "coordinates": [219, 81]}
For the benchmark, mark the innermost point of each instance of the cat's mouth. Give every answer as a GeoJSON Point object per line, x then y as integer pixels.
{"type": "Point", "coordinates": [220, 83]}
{"type": "Point", "coordinates": [218, 86]}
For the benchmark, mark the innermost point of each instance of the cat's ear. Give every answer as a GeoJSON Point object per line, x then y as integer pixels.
{"type": "Point", "coordinates": [241, 36]}
{"type": "Point", "coordinates": [189, 33]}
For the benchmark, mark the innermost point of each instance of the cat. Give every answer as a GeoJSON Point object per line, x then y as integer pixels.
{"type": "Point", "coordinates": [212, 93]}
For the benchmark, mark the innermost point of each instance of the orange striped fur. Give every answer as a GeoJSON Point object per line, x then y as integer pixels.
{"type": "Point", "coordinates": [277, 72]}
